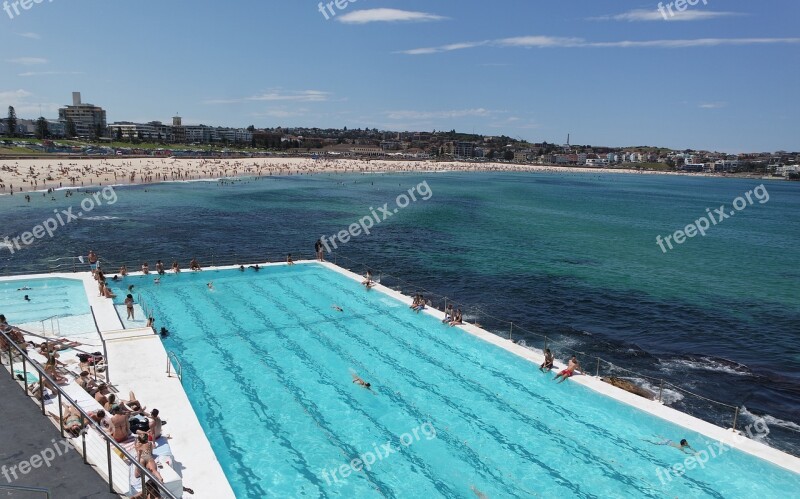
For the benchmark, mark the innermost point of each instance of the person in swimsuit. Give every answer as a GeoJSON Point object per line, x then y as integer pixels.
{"type": "Point", "coordinates": [548, 361]}
{"type": "Point", "coordinates": [367, 279]}
{"type": "Point", "coordinates": [73, 420]}
{"type": "Point", "coordinates": [448, 314]}
{"type": "Point", "coordinates": [193, 265]}
{"type": "Point", "coordinates": [357, 379]}
{"type": "Point", "coordinates": [175, 267]}
{"type": "Point", "coordinates": [682, 446]}
{"type": "Point", "coordinates": [144, 453]}
{"type": "Point", "coordinates": [119, 428]}
{"type": "Point", "coordinates": [458, 319]}
{"type": "Point", "coordinates": [289, 260]}
{"type": "Point", "coordinates": [337, 308]}
{"type": "Point", "coordinates": [572, 365]}
{"type": "Point", "coordinates": [129, 306]}
{"type": "Point", "coordinates": [145, 268]}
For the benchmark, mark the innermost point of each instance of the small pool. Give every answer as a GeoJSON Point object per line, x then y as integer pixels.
{"type": "Point", "coordinates": [55, 305]}
{"type": "Point", "coordinates": [268, 367]}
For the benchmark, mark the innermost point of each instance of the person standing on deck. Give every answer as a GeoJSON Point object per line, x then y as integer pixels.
{"type": "Point", "coordinates": [92, 261]}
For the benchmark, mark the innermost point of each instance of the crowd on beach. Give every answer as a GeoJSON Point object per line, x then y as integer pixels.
{"type": "Point", "coordinates": [44, 175]}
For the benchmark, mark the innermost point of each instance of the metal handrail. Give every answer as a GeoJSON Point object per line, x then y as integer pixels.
{"type": "Point", "coordinates": [46, 492]}
{"type": "Point", "coordinates": [179, 366]}
{"type": "Point", "coordinates": [85, 418]}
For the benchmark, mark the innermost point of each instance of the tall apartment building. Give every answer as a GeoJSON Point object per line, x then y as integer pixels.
{"type": "Point", "coordinates": [88, 118]}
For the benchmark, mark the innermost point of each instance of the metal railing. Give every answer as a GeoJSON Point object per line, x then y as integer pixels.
{"type": "Point", "coordinates": [178, 366]}
{"type": "Point", "coordinates": [46, 492]}
{"type": "Point", "coordinates": [86, 420]}
{"type": "Point", "coordinates": [507, 330]}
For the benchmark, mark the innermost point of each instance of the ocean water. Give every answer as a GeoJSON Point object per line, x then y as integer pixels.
{"type": "Point", "coordinates": [570, 256]}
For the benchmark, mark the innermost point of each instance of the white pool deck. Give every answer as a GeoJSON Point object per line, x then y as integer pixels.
{"type": "Point", "coordinates": [138, 361]}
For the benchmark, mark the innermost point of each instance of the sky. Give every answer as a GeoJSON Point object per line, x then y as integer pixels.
{"type": "Point", "coordinates": [718, 75]}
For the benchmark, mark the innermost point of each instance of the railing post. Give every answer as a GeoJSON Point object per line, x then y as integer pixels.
{"type": "Point", "coordinates": [24, 374]}
{"type": "Point", "coordinates": [85, 458]}
{"type": "Point", "coordinates": [598, 367]}
{"type": "Point", "coordinates": [108, 456]}
{"type": "Point", "coordinates": [661, 392]}
{"type": "Point", "coordinates": [511, 331]}
{"type": "Point", "coordinates": [545, 342]}
{"type": "Point", "coordinates": [60, 413]}
{"type": "Point", "coordinates": [735, 418]}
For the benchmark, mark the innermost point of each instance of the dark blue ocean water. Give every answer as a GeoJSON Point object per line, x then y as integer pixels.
{"type": "Point", "coordinates": [570, 256]}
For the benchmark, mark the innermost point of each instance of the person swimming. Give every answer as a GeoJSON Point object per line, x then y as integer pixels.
{"type": "Point", "coordinates": [357, 379]}
{"type": "Point", "coordinates": [210, 285]}
{"type": "Point", "coordinates": [682, 446]}
{"type": "Point", "coordinates": [337, 308]}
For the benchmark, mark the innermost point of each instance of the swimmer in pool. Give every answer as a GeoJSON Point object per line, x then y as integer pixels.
{"type": "Point", "coordinates": [357, 379]}
{"type": "Point", "coordinates": [682, 446]}
{"type": "Point", "coordinates": [337, 308]}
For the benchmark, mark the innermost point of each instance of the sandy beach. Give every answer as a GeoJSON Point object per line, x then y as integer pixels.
{"type": "Point", "coordinates": [29, 175]}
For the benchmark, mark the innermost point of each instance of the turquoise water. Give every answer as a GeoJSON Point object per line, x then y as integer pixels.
{"type": "Point", "coordinates": [268, 363]}
{"type": "Point", "coordinates": [570, 256]}
{"type": "Point", "coordinates": [48, 298]}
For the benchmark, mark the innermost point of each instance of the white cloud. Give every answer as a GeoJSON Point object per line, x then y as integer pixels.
{"type": "Point", "coordinates": [278, 96]}
{"type": "Point", "coordinates": [14, 95]}
{"type": "Point", "coordinates": [713, 105]}
{"type": "Point", "coordinates": [301, 96]}
{"type": "Point", "coordinates": [387, 15]}
{"type": "Point", "coordinates": [539, 42]}
{"type": "Point", "coordinates": [281, 113]}
{"type": "Point", "coordinates": [637, 15]}
{"type": "Point", "coordinates": [32, 36]}
{"type": "Point", "coordinates": [429, 115]}
{"type": "Point", "coordinates": [561, 42]}
{"type": "Point", "coordinates": [28, 61]}
{"type": "Point", "coordinates": [49, 73]}
{"type": "Point", "coordinates": [24, 107]}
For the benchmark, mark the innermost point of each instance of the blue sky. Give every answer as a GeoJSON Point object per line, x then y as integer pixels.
{"type": "Point", "coordinates": [721, 75]}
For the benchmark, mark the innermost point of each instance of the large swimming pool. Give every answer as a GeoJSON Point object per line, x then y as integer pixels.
{"type": "Point", "coordinates": [268, 366]}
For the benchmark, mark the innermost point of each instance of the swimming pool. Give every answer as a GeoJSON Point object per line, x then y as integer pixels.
{"type": "Point", "coordinates": [55, 305]}
{"type": "Point", "coordinates": [267, 365]}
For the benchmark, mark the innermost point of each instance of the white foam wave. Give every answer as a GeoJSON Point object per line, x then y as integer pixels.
{"type": "Point", "coordinates": [769, 420]}
{"type": "Point", "coordinates": [104, 217]}
{"type": "Point", "coordinates": [705, 364]}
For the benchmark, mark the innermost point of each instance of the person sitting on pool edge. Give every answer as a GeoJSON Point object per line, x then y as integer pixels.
{"type": "Point", "coordinates": [193, 265]}
{"type": "Point", "coordinates": [289, 260]}
{"type": "Point", "coordinates": [457, 319]}
{"type": "Point", "coordinates": [572, 366]}
{"type": "Point", "coordinates": [548, 361]}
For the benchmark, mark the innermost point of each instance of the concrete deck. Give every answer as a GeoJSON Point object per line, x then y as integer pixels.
{"type": "Point", "coordinates": [130, 353]}
{"type": "Point", "coordinates": [26, 433]}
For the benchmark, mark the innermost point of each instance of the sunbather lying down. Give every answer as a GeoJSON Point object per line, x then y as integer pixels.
{"type": "Point", "coordinates": [71, 419]}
